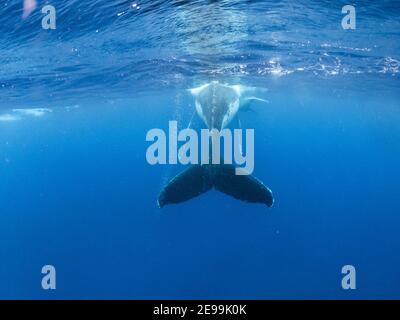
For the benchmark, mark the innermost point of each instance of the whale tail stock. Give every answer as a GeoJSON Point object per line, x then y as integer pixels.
{"type": "Point", "coordinates": [199, 179]}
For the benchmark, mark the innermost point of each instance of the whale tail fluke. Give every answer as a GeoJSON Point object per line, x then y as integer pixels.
{"type": "Point", "coordinates": [199, 179]}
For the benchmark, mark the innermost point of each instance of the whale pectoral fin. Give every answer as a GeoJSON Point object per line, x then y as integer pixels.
{"type": "Point", "coordinates": [242, 187]}
{"type": "Point", "coordinates": [246, 103]}
{"type": "Point", "coordinates": [185, 186]}
{"type": "Point", "coordinates": [240, 89]}
{"type": "Point", "coordinates": [196, 91]}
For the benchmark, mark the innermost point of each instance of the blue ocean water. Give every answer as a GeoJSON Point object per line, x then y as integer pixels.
{"type": "Point", "coordinates": [76, 191]}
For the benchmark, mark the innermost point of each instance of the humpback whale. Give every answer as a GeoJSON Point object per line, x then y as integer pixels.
{"type": "Point", "coordinates": [217, 104]}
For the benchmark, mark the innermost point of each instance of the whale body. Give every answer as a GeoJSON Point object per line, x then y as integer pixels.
{"type": "Point", "coordinates": [217, 104]}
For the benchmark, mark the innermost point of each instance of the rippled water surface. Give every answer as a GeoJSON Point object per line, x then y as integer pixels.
{"type": "Point", "coordinates": [125, 47]}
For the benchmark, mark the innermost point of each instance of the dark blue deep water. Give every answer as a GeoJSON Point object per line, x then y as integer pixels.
{"type": "Point", "coordinates": [76, 191]}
